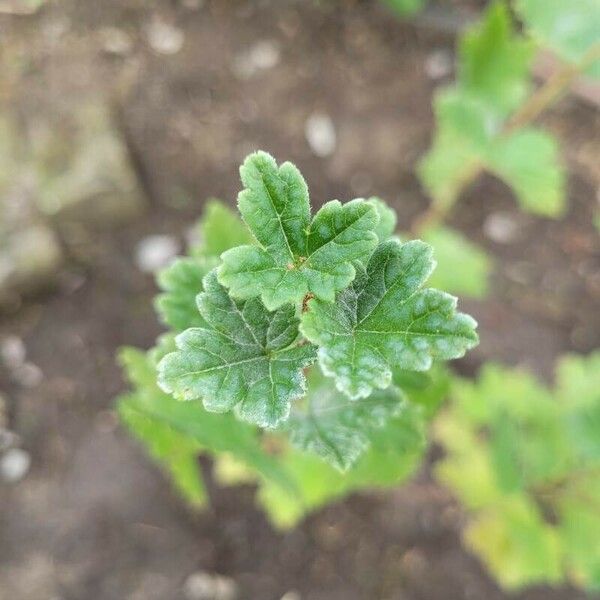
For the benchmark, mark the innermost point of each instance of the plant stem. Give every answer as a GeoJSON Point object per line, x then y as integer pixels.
{"type": "Point", "coordinates": [529, 111]}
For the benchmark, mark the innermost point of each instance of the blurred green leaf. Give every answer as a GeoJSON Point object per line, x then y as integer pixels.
{"type": "Point", "coordinates": [463, 268]}
{"type": "Point", "coordinates": [524, 460]}
{"type": "Point", "coordinates": [528, 161]}
{"type": "Point", "coordinates": [471, 124]}
{"type": "Point", "coordinates": [220, 228]}
{"type": "Point", "coordinates": [516, 545]}
{"type": "Point", "coordinates": [494, 62]}
{"type": "Point", "coordinates": [405, 8]}
{"type": "Point", "coordinates": [338, 429]}
{"type": "Point", "coordinates": [570, 28]}
{"type": "Point", "coordinates": [181, 282]}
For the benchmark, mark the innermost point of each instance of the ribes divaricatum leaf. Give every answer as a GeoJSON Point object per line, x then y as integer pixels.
{"type": "Point", "coordinates": [338, 429]}
{"type": "Point", "coordinates": [246, 358]}
{"type": "Point", "coordinates": [181, 282]}
{"type": "Point", "coordinates": [384, 320]}
{"type": "Point", "coordinates": [294, 256]}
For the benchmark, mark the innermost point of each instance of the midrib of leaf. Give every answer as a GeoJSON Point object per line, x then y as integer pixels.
{"type": "Point", "coordinates": [283, 232]}
{"type": "Point", "coordinates": [387, 291]}
{"type": "Point", "coordinates": [248, 327]}
{"type": "Point", "coordinates": [333, 239]}
{"type": "Point", "coordinates": [312, 415]}
{"type": "Point", "coordinates": [227, 365]}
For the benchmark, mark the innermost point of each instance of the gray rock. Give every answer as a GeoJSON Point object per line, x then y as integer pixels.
{"type": "Point", "coordinates": [83, 173]}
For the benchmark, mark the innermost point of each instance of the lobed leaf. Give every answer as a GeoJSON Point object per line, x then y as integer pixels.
{"type": "Point", "coordinates": [339, 430]}
{"type": "Point", "coordinates": [181, 282]}
{"type": "Point", "coordinates": [244, 359]}
{"type": "Point", "coordinates": [151, 414]}
{"type": "Point", "coordinates": [294, 256]}
{"type": "Point", "coordinates": [494, 63]}
{"type": "Point", "coordinates": [385, 319]}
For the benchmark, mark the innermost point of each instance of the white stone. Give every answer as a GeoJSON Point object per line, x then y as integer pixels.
{"type": "Point", "coordinates": [14, 465]}
{"type": "Point", "coordinates": [116, 41]}
{"type": "Point", "coordinates": [164, 38]}
{"type": "Point", "coordinates": [320, 134]}
{"type": "Point", "coordinates": [155, 252]}
{"type": "Point", "coordinates": [501, 227]}
{"type": "Point", "coordinates": [12, 351]}
{"type": "Point", "coordinates": [262, 56]}
{"type": "Point", "coordinates": [208, 586]}
{"type": "Point", "coordinates": [438, 64]}
{"type": "Point", "coordinates": [291, 595]}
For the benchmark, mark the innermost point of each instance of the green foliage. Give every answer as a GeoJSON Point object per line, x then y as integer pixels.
{"type": "Point", "coordinates": [244, 358]}
{"type": "Point", "coordinates": [463, 268]}
{"type": "Point", "coordinates": [295, 255]}
{"type": "Point", "coordinates": [243, 367]}
{"type": "Point", "coordinates": [525, 462]}
{"type": "Point", "coordinates": [385, 319]}
{"type": "Point", "coordinates": [571, 29]}
{"type": "Point", "coordinates": [180, 283]}
{"type": "Point", "coordinates": [472, 118]}
{"type": "Point", "coordinates": [220, 229]}
{"type": "Point", "coordinates": [338, 429]}
{"type": "Point", "coordinates": [405, 8]}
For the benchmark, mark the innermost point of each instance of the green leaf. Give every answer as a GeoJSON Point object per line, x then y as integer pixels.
{"type": "Point", "coordinates": [528, 161]}
{"type": "Point", "coordinates": [463, 130]}
{"type": "Point", "coordinates": [469, 137]}
{"type": "Point", "coordinates": [220, 229]}
{"type": "Point", "coordinates": [181, 282]}
{"type": "Point", "coordinates": [494, 63]}
{"type": "Point", "coordinates": [524, 460]}
{"type": "Point", "coordinates": [578, 383]}
{"type": "Point", "coordinates": [579, 529]}
{"type": "Point", "coordinates": [394, 454]}
{"type": "Point", "coordinates": [191, 429]}
{"type": "Point", "coordinates": [516, 545]}
{"type": "Point", "coordinates": [387, 218]}
{"type": "Point", "coordinates": [175, 452]}
{"type": "Point", "coordinates": [405, 8]}
{"type": "Point", "coordinates": [384, 319]}
{"type": "Point", "coordinates": [295, 256]}
{"type": "Point", "coordinates": [244, 359]}
{"type": "Point", "coordinates": [463, 267]}
{"type": "Point", "coordinates": [569, 28]}
{"type": "Point", "coordinates": [337, 429]}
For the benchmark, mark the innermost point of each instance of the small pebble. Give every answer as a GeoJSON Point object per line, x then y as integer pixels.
{"type": "Point", "coordinates": [116, 41]}
{"type": "Point", "coordinates": [501, 227]}
{"type": "Point", "coordinates": [12, 351]}
{"type": "Point", "coordinates": [320, 134]}
{"type": "Point", "coordinates": [208, 586]}
{"type": "Point", "coordinates": [438, 64]}
{"type": "Point", "coordinates": [262, 56]}
{"type": "Point", "coordinates": [164, 38]}
{"type": "Point", "coordinates": [28, 375]}
{"type": "Point", "coordinates": [291, 595]}
{"type": "Point", "coordinates": [14, 465]}
{"type": "Point", "coordinates": [155, 252]}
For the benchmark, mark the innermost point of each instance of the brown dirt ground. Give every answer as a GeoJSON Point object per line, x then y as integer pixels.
{"type": "Point", "coordinates": [94, 519]}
